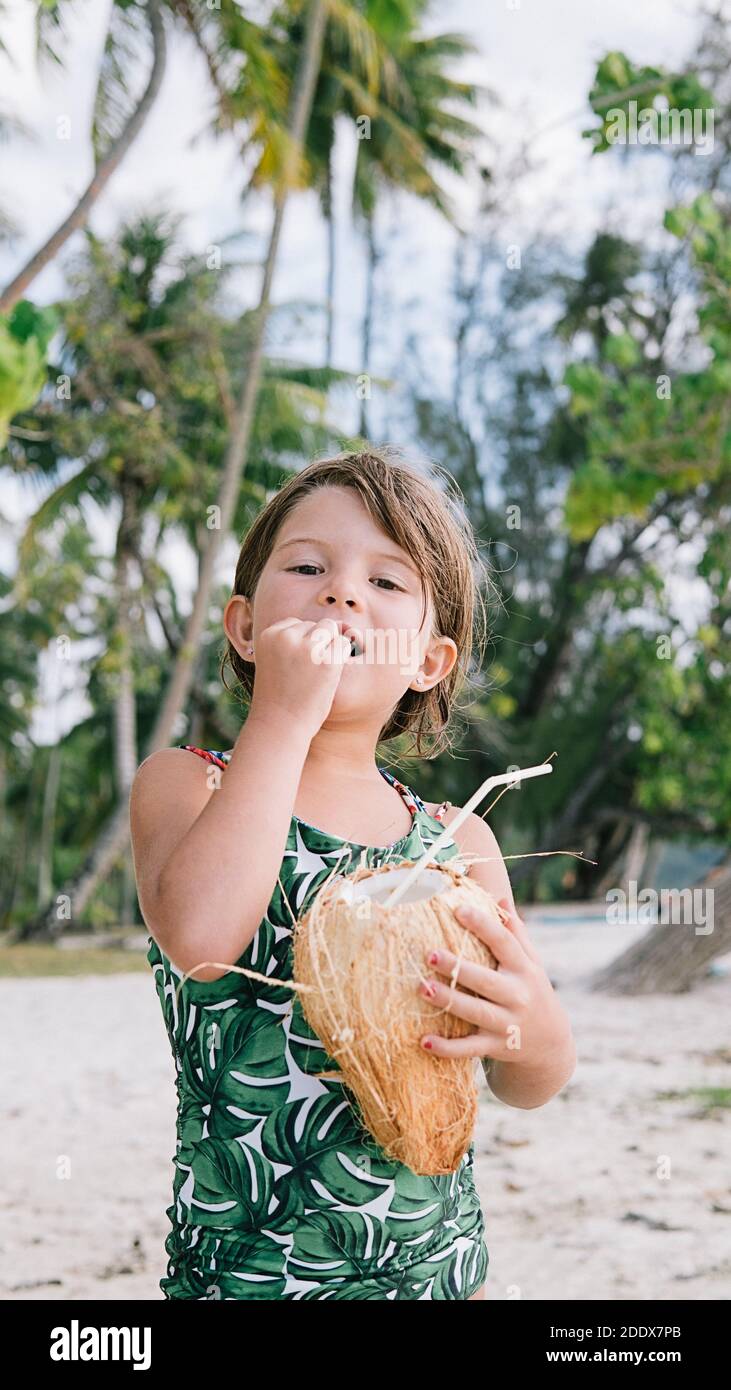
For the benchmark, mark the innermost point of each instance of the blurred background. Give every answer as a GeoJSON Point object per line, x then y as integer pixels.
{"type": "Point", "coordinates": [234, 237]}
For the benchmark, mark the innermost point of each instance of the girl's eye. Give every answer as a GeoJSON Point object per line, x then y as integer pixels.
{"type": "Point", "coordinates": [313, 569]}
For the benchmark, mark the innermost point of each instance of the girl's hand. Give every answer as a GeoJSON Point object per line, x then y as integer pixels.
{"type": "Point", "coordinates": [298, 669]}
{"type": "Point", "coordinates": [517, 1016]}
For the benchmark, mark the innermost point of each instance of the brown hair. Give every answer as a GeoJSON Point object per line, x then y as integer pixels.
{"type": "Point", "coordinates": [430, 525]}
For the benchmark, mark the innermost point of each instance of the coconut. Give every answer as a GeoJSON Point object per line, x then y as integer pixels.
{"type": "Point", "coordinates": [361, 961]}
{"type": "Point", "coordinates": [358, 954]}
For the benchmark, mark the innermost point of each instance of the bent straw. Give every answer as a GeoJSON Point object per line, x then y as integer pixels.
{"type": "Point", "coordinates": [447, 834]}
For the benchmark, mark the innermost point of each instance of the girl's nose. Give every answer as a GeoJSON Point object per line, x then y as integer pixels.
{"type": "Point", "coordinates": [328, 597]}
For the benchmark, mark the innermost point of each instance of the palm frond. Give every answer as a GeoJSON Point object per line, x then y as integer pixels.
{"type": "Point", "coordinates": [372, 57]}
{"type": "Point", "coordinates": [50, 34]}
{"type": "Point", "coordinates": [125, 45]}
{"type": "Point", "coordinates": [67, 494]}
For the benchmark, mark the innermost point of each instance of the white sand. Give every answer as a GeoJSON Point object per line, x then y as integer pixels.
{"type": "Point", "coordinates": [576, 1196]}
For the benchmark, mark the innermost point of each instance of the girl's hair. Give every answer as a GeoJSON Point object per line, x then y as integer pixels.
{"type": "Point", "coordinates": [430, 525]}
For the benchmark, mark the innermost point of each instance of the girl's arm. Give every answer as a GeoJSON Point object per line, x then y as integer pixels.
{"type": "Point", "coordinates": [207, 844]}
{"type": "Point", "coordinates": [514, 1082]}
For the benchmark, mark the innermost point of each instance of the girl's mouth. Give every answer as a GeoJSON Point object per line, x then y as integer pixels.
{"type": "Point", "coordinates": [356, 648]}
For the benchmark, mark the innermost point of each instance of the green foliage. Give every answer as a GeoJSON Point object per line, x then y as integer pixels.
{"type": "Point", "coordinates": [151, 355]}
{"type": "Point", "coordinates": [640, 432]}
{"type": "Point", "coordinates": [588, 653]}
{"type": "Point", "coordinates": [618, 81]}
{"type": "Point", "coordinates": [24, 337]}
{"type": "Point", "coordinates": [587, 386]}
{"type": "Point", "coordinates": [646, 436]}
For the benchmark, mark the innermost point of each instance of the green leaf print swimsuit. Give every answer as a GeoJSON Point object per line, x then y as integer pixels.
{"type": "Point", "coordinates": [279, 1191]}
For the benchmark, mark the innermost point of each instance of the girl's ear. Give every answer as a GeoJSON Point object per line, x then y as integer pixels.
{"type": "Point", "coordinates": [238, 623]}
{"type": "Point", "coordinates": [437, 662]}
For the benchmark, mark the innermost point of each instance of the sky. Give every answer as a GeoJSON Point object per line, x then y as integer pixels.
{"type": "Point", "coordinates": [538, 56]}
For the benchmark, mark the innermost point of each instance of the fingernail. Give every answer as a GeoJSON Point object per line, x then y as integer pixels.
{"type": "Point", "coordinates": [426, 1042]}
{"type": "Point", "coordinates": [433, 958]}
{"type": "Point", "coordinates": [428, 989]}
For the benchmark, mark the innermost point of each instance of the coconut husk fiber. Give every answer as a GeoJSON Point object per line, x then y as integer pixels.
{"type": "Point", "coordinates": [361, 963]}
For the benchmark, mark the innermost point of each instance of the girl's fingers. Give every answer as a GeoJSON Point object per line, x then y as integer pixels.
{"type": "Point", "coordinates": [491, 984]}
{"type": "Point", "coordinates": [327, 644]}
{"type": "Point", "coordinates": [328, 623]}
{"type": "Point", "coordinates": [324, 632]}
{"type": "Point", "coordinates": [517, 925]}
{"type": "Point", "coordinates": [502, 941]}
{"type": "Point", "coordinates": [450, 1000]}
{"type": "Point", "coordinates": [473, 1045]}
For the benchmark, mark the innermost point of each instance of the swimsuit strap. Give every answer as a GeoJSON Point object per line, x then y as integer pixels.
{"type": "Point", "coordinates": [211, 755]}
{"type": "Point", "coordinates": [414, 802]}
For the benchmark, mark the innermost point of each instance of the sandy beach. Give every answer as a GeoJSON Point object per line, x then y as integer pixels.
{"type": "Point", "coordinates": [618, 1188]}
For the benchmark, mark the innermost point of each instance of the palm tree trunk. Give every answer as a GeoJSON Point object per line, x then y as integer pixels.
{"type": "Point", "coordinates": [125, 711]}
{"type": "Point", "coordinates": [331, 253]}
{"type": "Point", "coordinates": [48, 820]}
{"type": "Point", "coordinates": [610, 853]}
{"type": "Point", "coordinates": [115, 833]}
{"type": "Point", "coordinates": [125, 708]}
{"type": "Point", "coordinates": [21, 850]}
{"type": "Point", "coordinates": [203, 707]}
{"type": "Point", "coordinates": [635, 856]}
{"type": "Point", "coordinates": [103, 172]}
{"type": "Point", "coordinates": [652, 861]}
{"type": "Point", "coordinates": [368, 325]}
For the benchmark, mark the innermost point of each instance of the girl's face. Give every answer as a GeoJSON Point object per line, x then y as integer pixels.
{"type": "Point", "coordinates": [330, 559]}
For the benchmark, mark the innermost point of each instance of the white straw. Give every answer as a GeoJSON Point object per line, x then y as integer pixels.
{"type": "Point", "coordinates": [515, 776]}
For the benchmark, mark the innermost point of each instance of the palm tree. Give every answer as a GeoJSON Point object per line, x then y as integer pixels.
{"type": "Point", "coordinates": [250, 92]}
{"type": "Point", "coordinates": [236, 453]}
{"type": "Point", "coordinates": [351, 43]}
{"type": "Point", "coordinates": [281, 160]}
{"type": "Point", "coordinates": [409, 139]}
{"type": "Point", "coordinates": [114, 835]}
{"type": "Point", "coordinates": [149, 363]}
{"type": "Point", "coordinates": [375, 66]}
{"type": "Point", "coordinates": [124, 21]}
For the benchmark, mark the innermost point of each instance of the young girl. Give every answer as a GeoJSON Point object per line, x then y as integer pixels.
{"type": "Point", "coordinates": [350, 623]}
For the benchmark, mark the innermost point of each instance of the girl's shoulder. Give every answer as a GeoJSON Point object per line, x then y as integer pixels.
{"type": "Point", "coordinates": [168, 793]}
{"type": "Point", "coordinates": [168, 773]}
{"type": "Point", "coordinates": [475, 839]}
{"type": "Point", "coordinates": [474, 835]}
